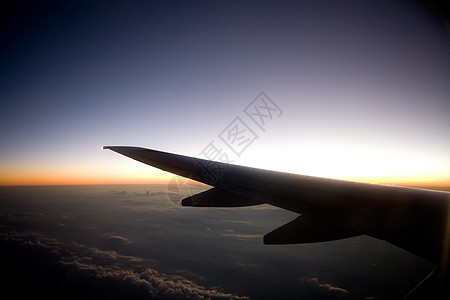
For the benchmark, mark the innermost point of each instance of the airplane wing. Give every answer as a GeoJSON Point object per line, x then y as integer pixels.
{"type": "Point", "coordinates": [413, 219]}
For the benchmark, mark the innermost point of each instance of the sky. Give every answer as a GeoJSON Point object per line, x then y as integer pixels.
{"type": "Point", "coordinates": [359, 89]}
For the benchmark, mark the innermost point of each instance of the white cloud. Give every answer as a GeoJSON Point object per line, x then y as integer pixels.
{"type": "Point", "coordinates": [340, 292]}
{"type": "Point", "coordinates": [110, 268]}
{"type": "Point", "coordinates": [118, 238]}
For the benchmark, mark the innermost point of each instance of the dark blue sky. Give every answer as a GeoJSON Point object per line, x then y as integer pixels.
{"type": "Point", "coordinates": [363, 86]}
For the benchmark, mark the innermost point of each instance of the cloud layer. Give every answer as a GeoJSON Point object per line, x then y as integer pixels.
{"type": "Point", "coordinates": [93, 273]}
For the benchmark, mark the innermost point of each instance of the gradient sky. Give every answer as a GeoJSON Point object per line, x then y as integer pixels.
{"type": "Point", "coordinates": [363, 86]}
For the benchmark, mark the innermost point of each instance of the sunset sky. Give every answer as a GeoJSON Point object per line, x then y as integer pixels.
{"type": "Point", "coordinates": [362, 88]}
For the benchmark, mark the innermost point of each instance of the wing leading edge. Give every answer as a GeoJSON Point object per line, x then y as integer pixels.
{"type": "Point", "coordinates": [413, 219]}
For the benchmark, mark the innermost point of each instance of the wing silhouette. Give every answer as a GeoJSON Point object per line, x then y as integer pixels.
{"type": "Point", "coordinates": [413, 219]}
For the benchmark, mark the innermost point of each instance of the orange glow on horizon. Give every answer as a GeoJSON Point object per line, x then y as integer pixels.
{"type": "Point", "coordinates": [412, 182]}
{"type": "Point", "coordinates": [49, 178]}
{"type": "Point", "coordinates": [78, 180]}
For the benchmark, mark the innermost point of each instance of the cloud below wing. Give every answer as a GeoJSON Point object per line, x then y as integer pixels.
{"type": "Point", "coordinates": [93, 272]}
{"type": "Point", "coordinates": [337, 291]}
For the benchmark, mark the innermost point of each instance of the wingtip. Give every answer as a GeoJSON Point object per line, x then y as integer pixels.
{"type": "Point", "coordinates": [109, 147]}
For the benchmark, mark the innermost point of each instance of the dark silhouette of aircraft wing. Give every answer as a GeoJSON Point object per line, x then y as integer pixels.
{"type": "Point", "coordinates": [413, 219]}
